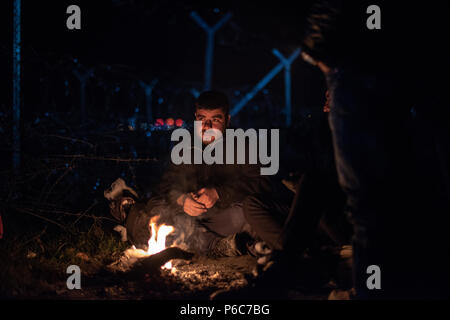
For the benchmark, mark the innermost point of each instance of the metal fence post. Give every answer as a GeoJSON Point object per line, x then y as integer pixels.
{"type": "Point", "coordinates": [210, 32]}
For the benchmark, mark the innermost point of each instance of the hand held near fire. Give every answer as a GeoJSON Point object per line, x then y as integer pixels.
{"type": "Point", "coordinates": [207, 196]}
{"type": "Point", "coordinates": [190, 205]}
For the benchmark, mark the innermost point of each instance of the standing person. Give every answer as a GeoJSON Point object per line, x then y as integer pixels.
{"type": "Point", "coordinates": [398, 209]}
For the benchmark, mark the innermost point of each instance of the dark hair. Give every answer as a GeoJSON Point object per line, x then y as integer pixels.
{"type": "Point", "coordinates": [335, 34]}
{"type": "Point", "coordinates": [320, 34]}
{"type": "Point", "coordinates": [210, 100]}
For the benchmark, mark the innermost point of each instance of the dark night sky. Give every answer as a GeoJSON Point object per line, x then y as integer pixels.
{"type": "Point", "coordinates": [159, 35]}
{"type": "Point", "coordinates": [158, 38]}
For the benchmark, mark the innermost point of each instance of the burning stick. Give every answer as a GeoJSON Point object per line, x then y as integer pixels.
{"type": "Point", "coordinates": [156, 261]}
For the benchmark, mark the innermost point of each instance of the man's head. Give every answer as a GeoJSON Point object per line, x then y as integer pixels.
{"type": "Point", "coordinates": [212, 109]}
{"type": "Point", "coordinates": [335, 35]}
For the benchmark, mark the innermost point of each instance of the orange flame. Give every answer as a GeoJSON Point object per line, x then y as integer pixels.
{"type": "Point", "coordinates": [157, 241]}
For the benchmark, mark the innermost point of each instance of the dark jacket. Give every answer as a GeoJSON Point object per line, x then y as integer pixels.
{"type": "Point", "coordinates": [233, 182]}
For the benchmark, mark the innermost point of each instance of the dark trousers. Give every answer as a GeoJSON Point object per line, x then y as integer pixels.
{"type": "Point", "coordinates": [216, 224]}
{"type": "Point", "coordinates": [291, 222]}
{"type": "Point", "coordinates": [400, 224]}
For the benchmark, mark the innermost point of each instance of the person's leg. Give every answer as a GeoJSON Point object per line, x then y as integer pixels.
{"type": "Point", "coordinates": [334, 222]}
{"type": "Point", "coordinates": [311, 199]}
{"type": "Point", "coordinates": [218, 224]}
{"type": "Point", "coordinates": [292, 220]}
{"type": "Point", "coordinates": [266, 214]}
{"type": "Point", "coordinates": [372, 164]}
{"type": "Point", "coordinates": [225, 222]}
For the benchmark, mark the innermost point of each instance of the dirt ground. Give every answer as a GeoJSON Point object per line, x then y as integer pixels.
{"type": "Point", "coordinates": [36, 268]}
{"type": "Point", "coordinates": [196, 278]}
{"type": "Point", "coordinates": [188, 279]}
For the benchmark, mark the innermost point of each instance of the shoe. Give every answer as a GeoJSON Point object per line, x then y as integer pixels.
{"type": "Point", "coordinates": [263, 254]}
{"type": "Point", "coordinates": [120, 208]}
{"type": "Point", "coordinates": [121, 198]}
{"type": "Point", "coordinates": [117, 189]}
{"type": "Point", "coordinates": [231, 246]}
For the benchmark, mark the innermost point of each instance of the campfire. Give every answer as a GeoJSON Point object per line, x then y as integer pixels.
{"type": "Point", "coordinates": [179, 268]}
{"type": "Point", "coordinates": [156, 244]}
{"type": "Point", "coordinates": [157, 241]}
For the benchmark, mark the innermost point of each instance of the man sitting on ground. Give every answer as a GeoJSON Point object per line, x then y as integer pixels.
{"type": "Point", "coordinates": [203, 202]}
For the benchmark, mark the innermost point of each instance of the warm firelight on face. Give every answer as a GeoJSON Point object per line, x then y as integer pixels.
{"type": "Point", "coordinates": [157, 241]}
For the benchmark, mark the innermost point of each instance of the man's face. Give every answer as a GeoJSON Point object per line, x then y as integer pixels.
{"type": "Point", "coordinates": [215, 119]}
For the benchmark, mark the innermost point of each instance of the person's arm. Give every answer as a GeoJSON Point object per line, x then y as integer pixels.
{"type": "Point", "coordinates": [173, 183]}
{"type": "Point", "coordinates": [190, 205]}
{"type": "Point", "coordinates": [176, 187]}
{"type": "Point", "coordinates": [247, 180]}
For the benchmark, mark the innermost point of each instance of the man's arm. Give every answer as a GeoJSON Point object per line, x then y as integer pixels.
{"type": "Point", "coordinates": [191, 206]}
{"type": "Point", "coordinates": [173, 183]}
{"type": "Point", "coordinates": [176, 186]}
{"type": "Point", "coordinates": [247, 180]}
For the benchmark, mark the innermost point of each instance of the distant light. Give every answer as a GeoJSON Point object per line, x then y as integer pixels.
{"type": "Point", "coordinates": [170, 122]}
{"type": "Point", "coordinates": [75, 60]}
{"type": "Point", "coordinates": [160, 100]}
{"type": "Point", "coordinates": [159, 122]}
{"type": "Point", "coordinates": [148, 134]}
{"type": "Point", "coordinates": [179, 122]}
{"type": "Point", "coordinates": [132, 124]}
{"type": "Point", "coordinates": [136, 110]}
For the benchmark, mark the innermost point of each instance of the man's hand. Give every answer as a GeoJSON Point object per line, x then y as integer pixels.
{"type": "Point", "coordinates": [326, 107]}
{"type": "Point", "coordinates": [207, 196]}
{"type": "Point", "coordinates": [190, 205]}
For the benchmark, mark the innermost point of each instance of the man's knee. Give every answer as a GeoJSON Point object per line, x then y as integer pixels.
{"type": "Point", "coordinates": [237, 216]}
{"type": "Point", "coordinates": [252, 204]}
